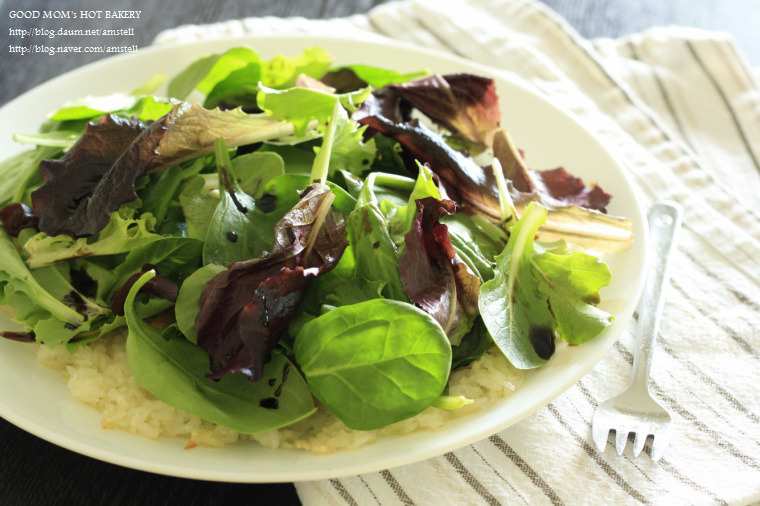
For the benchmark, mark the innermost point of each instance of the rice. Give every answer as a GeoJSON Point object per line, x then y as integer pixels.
{"type": "Point", "coordinates": [99, 375]}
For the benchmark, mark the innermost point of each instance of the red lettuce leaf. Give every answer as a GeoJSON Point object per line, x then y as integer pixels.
{"type": "Point", "coordinates": [15, 217]}
{"type": "Point", "coordinates": [72, 178]}
{"type": "Point", "coordinates": [186, 132]}
{"type": "Point", "coordinates": [463, 103]}
{"type": "Point", "coordinates": [245, 309]}
{"type": "Point", "coordinates": [431, 274]}
{"type": "Point", "coordinates": [554, 188]}
{"type": "Point", "coordinates": [575, 213]}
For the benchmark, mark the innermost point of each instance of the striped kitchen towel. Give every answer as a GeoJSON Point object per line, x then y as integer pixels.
{"type": "Point", "coordinates": [681, 110]}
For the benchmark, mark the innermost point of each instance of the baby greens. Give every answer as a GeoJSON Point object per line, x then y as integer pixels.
{"type": "Point", "coordinates": [311, 236]}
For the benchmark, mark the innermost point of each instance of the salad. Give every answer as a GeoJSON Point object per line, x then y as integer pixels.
{"type": "Point", "coordinates": [343, 236]}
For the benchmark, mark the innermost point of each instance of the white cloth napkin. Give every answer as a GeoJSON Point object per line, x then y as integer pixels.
{"type": "Point", "coordinates": [681, 110]}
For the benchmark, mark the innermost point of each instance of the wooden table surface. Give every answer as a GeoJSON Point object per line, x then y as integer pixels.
{"type": "Point", "coordinates": [36, 472]}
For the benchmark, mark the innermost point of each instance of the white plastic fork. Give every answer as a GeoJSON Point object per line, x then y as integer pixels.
{"type": "Point", "coordinates": [634, 410]}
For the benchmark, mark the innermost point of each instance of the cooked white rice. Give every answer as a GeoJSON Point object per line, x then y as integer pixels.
{"type": "Point", "coordinates": [98, 375]}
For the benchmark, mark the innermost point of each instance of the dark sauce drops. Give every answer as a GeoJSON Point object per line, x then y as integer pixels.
{"type": "Point", "coordinates": [542, 339]}
{"type": "Point", "coordinates": [269, 403]}
{"type": "Point", "coordinates": [267, 203]}
{"type": "Point", "coordinates": [285, 372]}
{"type": "Point", "coordinates": [232, 236]}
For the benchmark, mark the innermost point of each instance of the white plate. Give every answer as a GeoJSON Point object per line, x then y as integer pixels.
{"type": "Point", "coordinates": [37, 400]}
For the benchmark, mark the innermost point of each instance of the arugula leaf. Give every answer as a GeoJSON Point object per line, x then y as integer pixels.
{"type": "Point", "coordinates": [143, 309]}
{"type": "Point", "coordinates": [173, 371]}
{"type": "Point", "coordinates": [513, 308]}
{"type": "Point", "coordinates": [159, 193]}
{"type": "Point", "coordinates": [376, 254]}
{"type": "Point", "coordinates": [374, 363]}
{"type": "Point", "coordinates": [198, 206]}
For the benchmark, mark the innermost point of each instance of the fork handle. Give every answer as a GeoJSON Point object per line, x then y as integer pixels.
{"type": "Point", "coordinates": [664, 222]}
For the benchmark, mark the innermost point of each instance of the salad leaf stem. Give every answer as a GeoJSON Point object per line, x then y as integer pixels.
{"type": "Point", "coordinates": [224, 165]}
{"type": "Point", "coordinates": [367, 194]}
{"type": "Point", "coordinates": [492, 231]}
{"type": "Point", "coordinates": [322, 161]}
{"type": "Point", "coordinates": [507, 207]}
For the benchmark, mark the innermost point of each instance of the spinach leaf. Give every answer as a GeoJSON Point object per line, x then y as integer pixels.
{"type": "Point", "coordinates": [198, 206]}
{"type": "Point", "coordinates": [231, 236]}
{"type": "Point", "coordinates": [374, 363]}
{"type": "Point", "coordinates": [189, 298]}
{"type": "Point", "coordinates": [473, 345]}
{"type": "Point", "coordinates": [255, 170]}
{"type": "Point", "coordinates": [375, 253]}
{"type": "Point", "coordinates": [173, 370]}
{"type": "Point", "coordinates": [513, 308]}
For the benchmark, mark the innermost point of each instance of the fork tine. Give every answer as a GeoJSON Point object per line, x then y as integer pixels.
{"type": "Point", "coordinates": [638, 443]}
{"type": "Point", "coordinates": [659, 443]}
{"type": "Point", "coordinates": [600, 435]}
{"type": "Point", "coordinates": [621, 437]}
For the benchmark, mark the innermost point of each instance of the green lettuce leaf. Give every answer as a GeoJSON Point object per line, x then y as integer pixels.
{"type": "Point", "coordinates": [122, 234]}
{"type": "Point", "coordinates": [572, 281]}
{"type": "Point", "coordinates": [15, 279]}
{"type": "Point", "coordinates": [301, 106]}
